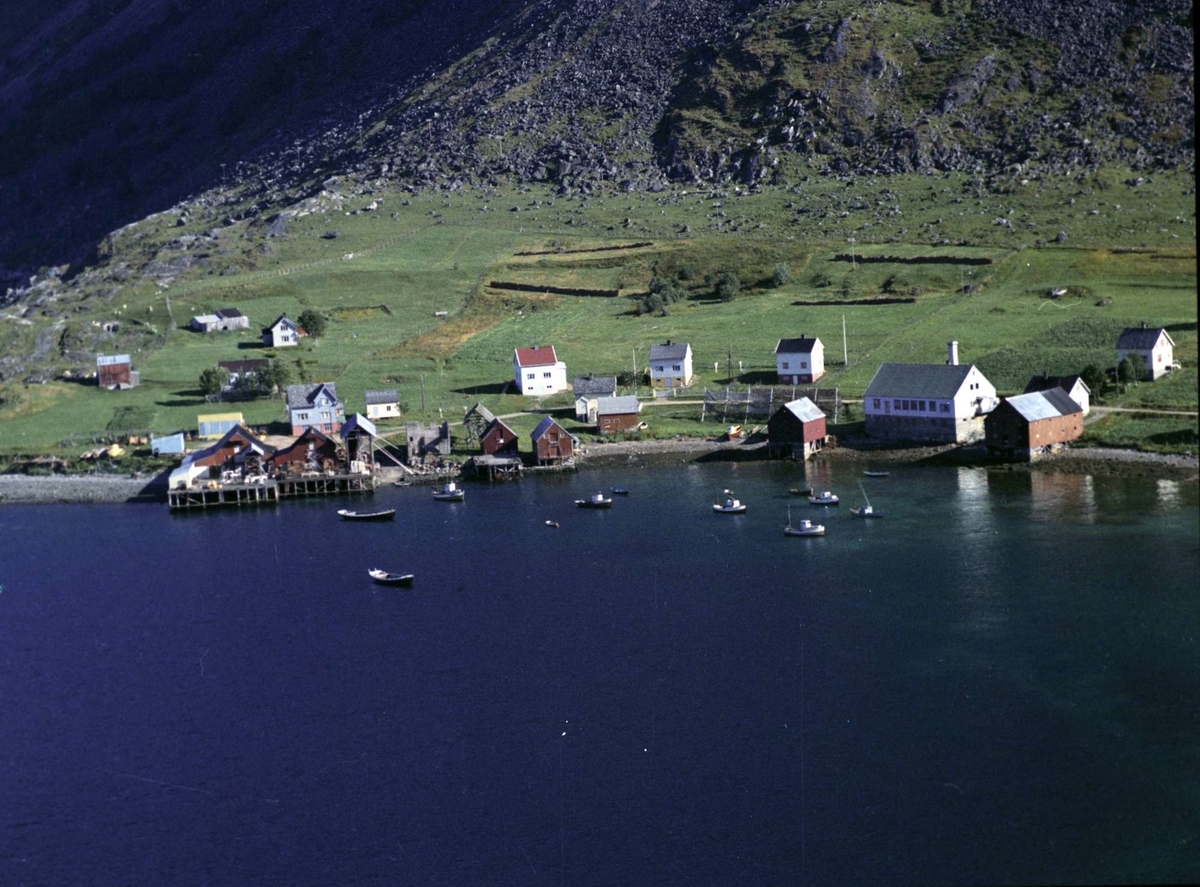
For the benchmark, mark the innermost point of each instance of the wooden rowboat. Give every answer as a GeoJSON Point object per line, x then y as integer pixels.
{"type": "Point", "coordinates": [383, 577]}
{"type": "Point", "coordinates": [346, 514]}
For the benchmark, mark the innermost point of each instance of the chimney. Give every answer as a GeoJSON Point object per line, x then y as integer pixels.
{"type": "Point", "coordinates": [535, 346]}
{"type": "Point", "coordinates": [953, 348]}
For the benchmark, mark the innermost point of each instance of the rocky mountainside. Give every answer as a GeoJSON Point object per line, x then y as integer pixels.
{"type": "Point", "coordinates": [112, 109]}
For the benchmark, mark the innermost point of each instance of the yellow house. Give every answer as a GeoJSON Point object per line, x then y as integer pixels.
{"type": "Point", "coordinates": [214, 426]}
{"type": "Point", "coordinates": [383, 404]}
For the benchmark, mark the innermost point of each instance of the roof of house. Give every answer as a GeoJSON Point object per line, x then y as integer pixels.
{"type": "Point", "coordinates": [220, 417]}
{"type": "Point", "coordinates": [1045, 383]}
{"type": "Point", "coordinates": [355, 422]}
{"type": "Point", "coordinates": [244, 366]}
{"type": "Point", "coordinates": [228, 313]}
{"type": "Point", "coordinates": [670, 351]}
{"type": "Point", "coordinates": [237, 431]}
{"type": "Point", "coordinates": [802, 345]}
{"type": "Point", "coordinates": [608, 406]}
{"type": "Point", "coordinates": [804, 410]}
{"type": "Point", "coordinates": [310, 433]}
{"type": "Point", "coordinates": [537, 356]}
{"type": "Point", "coordinates": [918, 380]}
{"type": "Point", "coordinates": [595, 385]}
{"type": "Point", "coordinates": [1050, 404]}
{"type": "Point", "coordinates": [1141, 338]}
{"type": "Point", "coordinates": [385, 395]}
{"type": "Point", "coordinates": [304, 395]}
{"type": "Point", "coordinates": [106, 360]}
{"type": "Point", "coordinates": [481, 411]}
{"type": "Point", "coordinates": [545, 425]}
{"type": "Point", "coordinates": [206, 318]}
{"type": "Point", "coordinates": [282, 318]}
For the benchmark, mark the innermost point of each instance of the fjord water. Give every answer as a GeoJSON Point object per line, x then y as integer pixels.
{"type": "Point", "coordinates": [996, 683]}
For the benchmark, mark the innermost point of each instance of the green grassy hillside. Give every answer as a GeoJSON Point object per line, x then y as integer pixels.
{"type": "Point", "coordinates": [1128, 256]}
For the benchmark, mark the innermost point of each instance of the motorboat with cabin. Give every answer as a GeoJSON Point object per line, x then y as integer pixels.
{"type": "Point", "coordinates": [826, 498]}
{"type": "Point", "coordinates": [731, 505]}
{"type": "Point", "coordinates": [804, 528]}
{"type": "Point", "coordinates": [450, 492]}
{"type": "Point", "coordinates": [597, 500]}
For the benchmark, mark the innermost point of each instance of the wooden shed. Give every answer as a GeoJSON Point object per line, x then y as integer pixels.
{"type": "Point", "coordinates": [615, 414]}
{"type": "Point", "coordinates": [797, 428]}
{"type": "Point", "coordinates": [552, 443]}
{"type": "Point", "coordinates": [499, 440]}
{"type": "Point", "coordinates": [1029, 425]}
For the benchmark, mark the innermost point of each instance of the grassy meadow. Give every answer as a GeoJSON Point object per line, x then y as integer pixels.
{"type": "Point", "coordinates": [1128, 256]}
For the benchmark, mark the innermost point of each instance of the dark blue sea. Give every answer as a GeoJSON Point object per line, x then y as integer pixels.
{"type": "Point", "coordinates": [998, 683]}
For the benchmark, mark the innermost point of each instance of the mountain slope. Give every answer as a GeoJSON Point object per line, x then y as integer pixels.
{"type": "Point", "coordinates": [116, 108]}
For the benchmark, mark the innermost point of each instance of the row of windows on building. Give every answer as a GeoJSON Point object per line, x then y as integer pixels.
{"type": "Point", "coordinates": [532, 375]}
{"type": "Point", "coordinates": [914, 406]}
{"type": "Point", "coordinates": [803, 365]}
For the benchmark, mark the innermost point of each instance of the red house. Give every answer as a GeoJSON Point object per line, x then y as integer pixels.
{"type": "Point", "coordinates": [312, 450]}
{"type": "Point", "coordinates": [498, 440]}
{"type": "Point", "coordinates": [797, 427]}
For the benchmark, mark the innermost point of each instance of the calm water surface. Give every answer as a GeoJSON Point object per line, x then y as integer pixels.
{"type": "Point", "coordinates": [996, 683]}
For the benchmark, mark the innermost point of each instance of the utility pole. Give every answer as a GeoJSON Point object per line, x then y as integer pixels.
{"type": "Point", "coordinates": [845, 353]}
{"type": "Point", "coordinates": [729, 363]}
{"type": "Point", "coordinates": [422, 392]}
{"type": "Point", "coordinates": [635, 372]}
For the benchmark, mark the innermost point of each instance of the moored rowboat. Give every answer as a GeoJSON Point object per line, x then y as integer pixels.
{"type": "Point", "coordinates": [346, 514]}
{"type": "Point", "coordinates": [383, 577]}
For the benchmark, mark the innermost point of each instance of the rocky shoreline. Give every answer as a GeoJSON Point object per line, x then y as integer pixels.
{"type": "Point", "coordinates": [91, 489]}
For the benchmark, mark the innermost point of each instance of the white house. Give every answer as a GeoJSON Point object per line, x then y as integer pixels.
{"type": "Point", "coordinates": [671, 365]}
{"type": "Point", "coordinates": [315, 406]}
{"type": "Point", "coordinates": [282, 333]}
{"type": "Point", "coordinates": [799, 361]}
{"type": "Point", "coordinates": [383, 404]}
{"type": "Point", "coordinates": [1153, 346]}
{"type": "Point", "coordinates": [538, 371]}
{"type": "Point", "coordinates": [1074, 386]}
{"type": "Point", "coordinates": [588, 390]}
{"type": "Point", "coordinates": [944, 403]}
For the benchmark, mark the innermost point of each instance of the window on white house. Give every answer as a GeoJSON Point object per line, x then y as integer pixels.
{"type": "Point", "coordinates": [529, 375]}
{"type": "Point", "coordinates": [675, 367]}
{"type": "Point", "coordinates": [804, 364]}
{"type": "Point", "coordinates": [876, 403]}
{"type": "Point", "coordinates": [785, 364]}
{"type": "Point", "coordinates": [545, 375]}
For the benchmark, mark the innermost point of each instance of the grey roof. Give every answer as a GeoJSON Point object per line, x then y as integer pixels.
{"type": "Point", "coordinates": [227, 313]}
{"type": "Point", "coordinates": [303, 395]}
{"type": "Point", "coordinates": [386, 395]}
{"type": "Point", "coordinates": [803, 345]}
{"type": "Point", "coordinates": [1049, 404]}
{"type": "Point", "coordinates": [543, 427]}
{"type": "Point", "coordinates": [608, 406]}
{"type": "Point", "coordinates": [1045, 383]}
{"type": "Point", "coordinates": [481, 411]}
{"type": "Point", "coordinates": [1141, 338]}
{"type": "Point", "coordinates": [206, 318]}
{"type": "Point", "coordinates": [595, 386]}
{"type": "Point", "coordinates": [280, 319]}
{"type": "Point", "coordinates": [669, 351]}
{"type": "Point", "coordinates": [918, 380]}
{"type": "Point", "coordinates": [804, 410]}
{"type": "Point", "coordinates": [107, 360]}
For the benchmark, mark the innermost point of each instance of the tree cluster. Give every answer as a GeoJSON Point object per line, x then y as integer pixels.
{"type": "Point", "coordinates": [662, 293]}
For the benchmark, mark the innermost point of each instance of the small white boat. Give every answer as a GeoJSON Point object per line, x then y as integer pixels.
{"type": "Point", "coordinates": [804, 527]}
{"type": "Point", "coordinates": [876, 473]}
{"type": "Point", "coordinates": [383, 577]}
{"type": "Point", "coordinates": [826, 498]}
{"type": "Point", "coordinates": [595, 501]}
{"type": "Point", "coordinates": [450, 493]}
{"type": "Point", "coordinates": [867, 510]}
{"type": "Point", "coordinates": [731, 505]}
{"type": "Point", "coordinates": [347, 514]}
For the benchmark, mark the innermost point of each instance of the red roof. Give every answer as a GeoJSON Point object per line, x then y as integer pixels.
{"type": "Point", "coordinates": [536, 357]}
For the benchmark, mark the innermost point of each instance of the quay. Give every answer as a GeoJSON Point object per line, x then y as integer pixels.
{"type": "Point", "coordinates": [216, 494]}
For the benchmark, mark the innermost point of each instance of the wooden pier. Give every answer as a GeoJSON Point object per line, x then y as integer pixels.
{"type": "Point", "coordinates": [218, 495]}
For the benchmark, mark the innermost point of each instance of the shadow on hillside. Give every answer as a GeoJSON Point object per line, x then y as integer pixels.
{"type": "Point", "coordinates": [493, 388]}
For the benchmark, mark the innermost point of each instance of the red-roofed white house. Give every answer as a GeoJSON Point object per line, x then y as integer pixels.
{"type": "Point", "coordinates": [538, 371]}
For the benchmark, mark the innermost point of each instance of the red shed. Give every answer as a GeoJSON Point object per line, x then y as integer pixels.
{"type": "Point", "coordinates": [552, 442]}
{"type": "Point", "coordinates": [797, 427]}
{"type": "Point", "coordinates": [1027, 425]}
{"type": "Point", "coordinates": [498, 440]}
{"type": "Point", "coordinates": [115, 371]}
